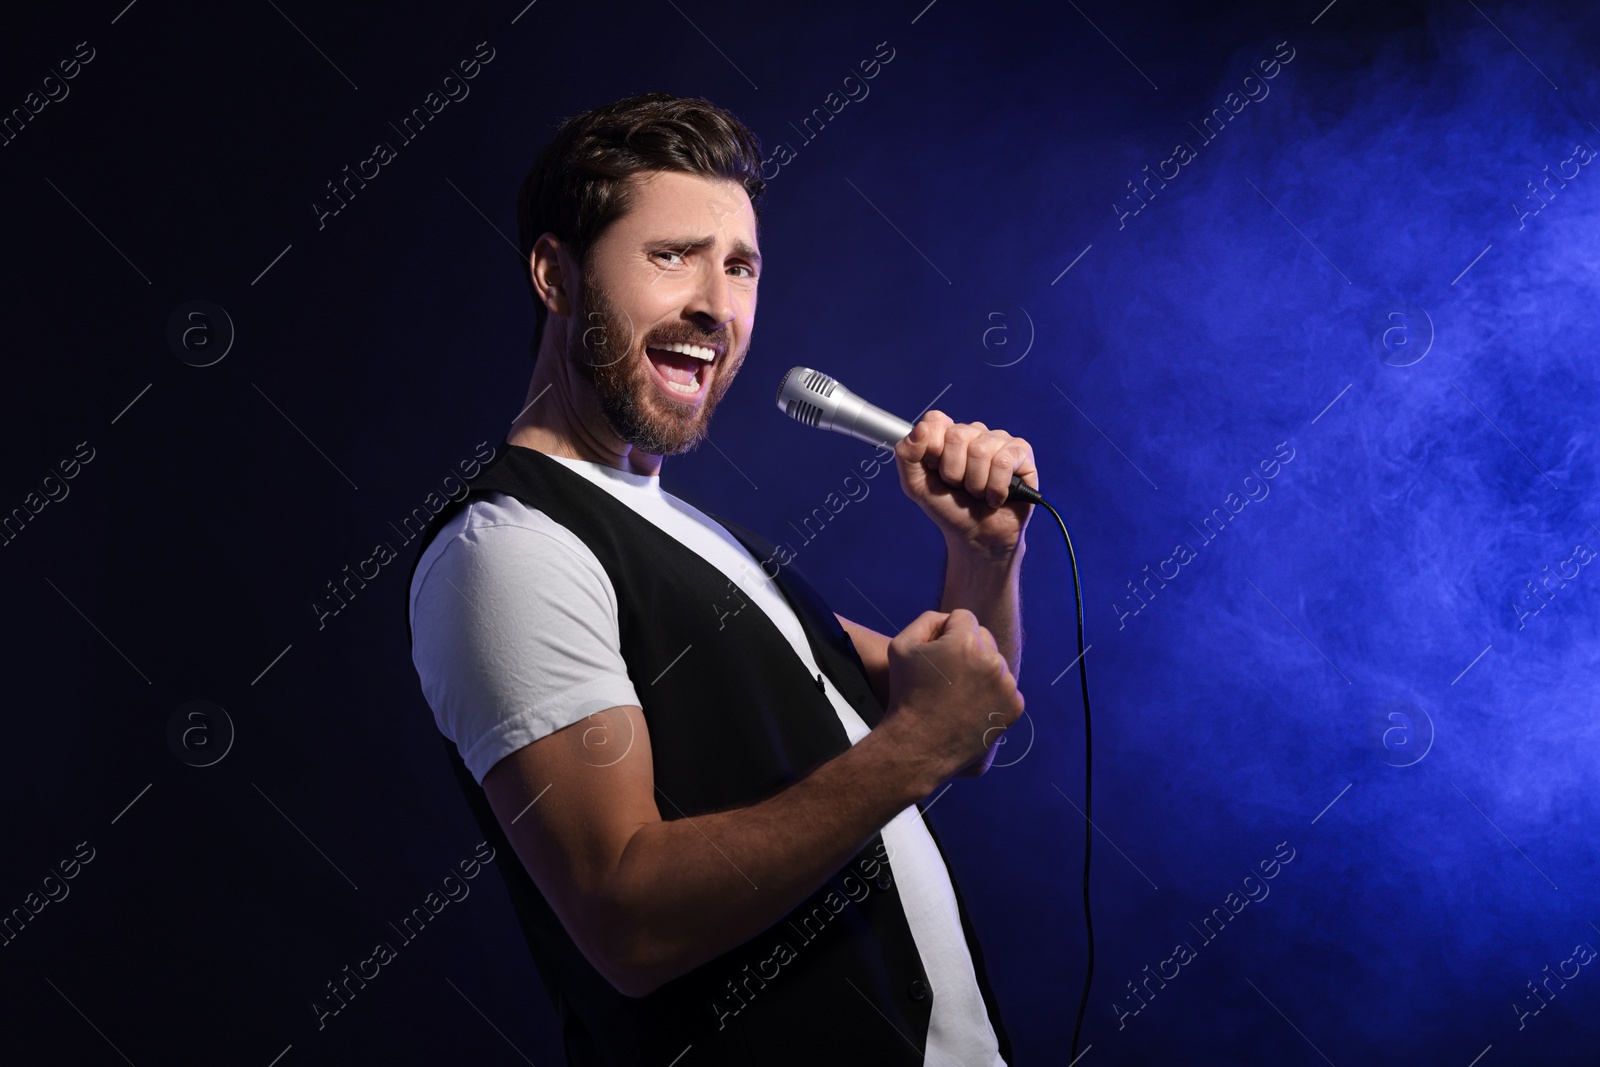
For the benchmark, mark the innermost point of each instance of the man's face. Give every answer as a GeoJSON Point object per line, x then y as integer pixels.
{"type": "Point", "coordinates": [677, 271]}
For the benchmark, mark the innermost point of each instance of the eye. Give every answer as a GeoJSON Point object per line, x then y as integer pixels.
{"type": "Point", "coordinates": [748, 273]}
{"type": "Point", "coordinates": [677, 255]}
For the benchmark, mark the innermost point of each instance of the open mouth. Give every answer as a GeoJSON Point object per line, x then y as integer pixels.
{"type": "Point", "coordinates": [682, 369]}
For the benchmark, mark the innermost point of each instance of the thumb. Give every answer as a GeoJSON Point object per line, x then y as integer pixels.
{"type": "Point", "coordinates": [960, 621]}
{"type": "Point", "coordinates": [924, 628]}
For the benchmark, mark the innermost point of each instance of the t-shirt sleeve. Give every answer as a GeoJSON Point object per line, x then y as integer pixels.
{"type": "Point", "coordinates": [514, 631]}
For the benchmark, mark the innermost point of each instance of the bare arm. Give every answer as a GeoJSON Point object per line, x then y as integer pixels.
{"type": "Point", "coordinates": [993, 592]}
{"type": "Point", "coordinates": [647, 900]}
{"type": "Point", "coordinates": [960, 475]}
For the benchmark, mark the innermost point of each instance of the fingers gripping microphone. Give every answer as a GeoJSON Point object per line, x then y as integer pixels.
{"type": "Point", "coordinates": [815, 399]}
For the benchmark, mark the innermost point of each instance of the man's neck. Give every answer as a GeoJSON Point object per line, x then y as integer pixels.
{"type": "Point", "coordinates": [553, 421]}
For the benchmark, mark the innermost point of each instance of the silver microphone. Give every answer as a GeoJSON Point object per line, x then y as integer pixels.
{"type": "Point", "coordinates": [817, 400]}
{"type": "Point", "coordinates": [811, 397]}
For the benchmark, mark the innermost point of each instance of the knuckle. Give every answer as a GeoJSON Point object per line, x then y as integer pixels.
{"type": "Point", "coordinates": [984, 445]}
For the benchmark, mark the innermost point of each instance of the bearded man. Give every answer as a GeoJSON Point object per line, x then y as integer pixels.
{"type": "Point", "coordinates": [710, 780]}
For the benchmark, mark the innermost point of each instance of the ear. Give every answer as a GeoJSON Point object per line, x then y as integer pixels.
{"type": "Point", "coordinates": [553, 271]}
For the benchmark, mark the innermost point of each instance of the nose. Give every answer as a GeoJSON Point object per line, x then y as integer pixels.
{"type": "Point", "coordinates": [711, 304]}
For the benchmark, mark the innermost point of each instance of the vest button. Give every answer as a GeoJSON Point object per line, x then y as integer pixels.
{"type": "Point", "coordinates": [918, 990]}
{"type": "Point", "coordinates": [885, 879]}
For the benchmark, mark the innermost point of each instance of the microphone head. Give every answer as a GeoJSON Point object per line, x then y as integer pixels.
{"type": "Point", "coordinates": [806, 394]}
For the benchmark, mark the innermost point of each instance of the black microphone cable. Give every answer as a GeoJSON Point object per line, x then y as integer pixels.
{"type": "Point", "coordinates": [1088, 768]}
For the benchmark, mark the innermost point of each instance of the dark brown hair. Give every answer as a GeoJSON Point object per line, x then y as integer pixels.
{"type": "Point", "coordinates": [579, 184]}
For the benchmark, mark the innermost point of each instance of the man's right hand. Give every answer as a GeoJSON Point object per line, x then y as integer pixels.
{"type": "Point", "coordinates": [951, 692]}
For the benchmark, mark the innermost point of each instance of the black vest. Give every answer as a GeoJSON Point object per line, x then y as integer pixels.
{"type": "Point", "coordinates": [733, 717]}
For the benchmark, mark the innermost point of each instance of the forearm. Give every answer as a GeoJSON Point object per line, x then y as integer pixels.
{"type": "Point", "coordinates": [991, 590]}
{"type": "Point", "coordinates": [686, 890]}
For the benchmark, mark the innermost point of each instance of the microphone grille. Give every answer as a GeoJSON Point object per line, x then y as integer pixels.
{"type": "Point", "coordinates": [802, 411]}
{"type": "Point", "coordinates": [819, 383]}
{"type": "Point", "coordinates": [804, 395]}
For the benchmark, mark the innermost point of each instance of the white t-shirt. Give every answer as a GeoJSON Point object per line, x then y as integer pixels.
{"type": "Point", "coordinates": [515, 633]}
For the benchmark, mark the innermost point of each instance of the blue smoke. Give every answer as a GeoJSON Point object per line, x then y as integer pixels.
{"type": "Point", "coordinates": [1385, 265]}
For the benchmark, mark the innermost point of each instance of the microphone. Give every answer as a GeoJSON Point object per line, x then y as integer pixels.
{"type": "Point", "coordinates": [811, 397]}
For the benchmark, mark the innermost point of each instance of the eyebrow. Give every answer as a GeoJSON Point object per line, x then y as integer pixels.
{"type": "Point", "coordinates": [740, 247]}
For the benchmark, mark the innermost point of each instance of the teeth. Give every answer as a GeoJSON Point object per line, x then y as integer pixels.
{"type": "Point", "coordinates": [690, 389]}
{"type": "Point", "coordinates": [697, 351]}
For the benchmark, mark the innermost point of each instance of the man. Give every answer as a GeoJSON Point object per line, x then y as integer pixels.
{"type": "Point", "coordinates": [710, 780]}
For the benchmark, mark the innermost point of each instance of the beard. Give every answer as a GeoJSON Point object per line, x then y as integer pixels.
{"type": "Point", "coordinates": [636, 409]}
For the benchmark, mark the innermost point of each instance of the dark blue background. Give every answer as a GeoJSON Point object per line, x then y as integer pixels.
{"type": "Point", "coordinates": [1279, 290]}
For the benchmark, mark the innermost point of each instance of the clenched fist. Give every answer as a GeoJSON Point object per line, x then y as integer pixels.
{"type": "Point", "coordinates": [951, 693]}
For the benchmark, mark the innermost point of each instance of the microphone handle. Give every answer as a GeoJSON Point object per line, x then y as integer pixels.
{"type": "Point", "coordinates": [870, 423]}
{"type": "Point", "coordinates": [1021, 490]}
